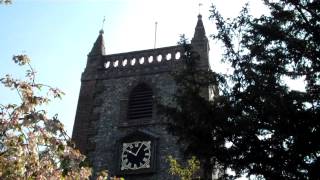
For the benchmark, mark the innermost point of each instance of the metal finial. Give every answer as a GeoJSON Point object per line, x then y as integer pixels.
{"type": "Point", "coordinates": [200, 4]}
{"type": "Point", "coordinates": [104, 19]}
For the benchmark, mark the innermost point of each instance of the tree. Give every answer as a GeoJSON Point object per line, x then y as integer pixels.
{"type": "Point", "coordinates": [5, 1]}
{"type": "Point", "coordinates": [185, 173]}
{"type": "Point", "coordinates": [32, 145]}
{"type": "Point", "coordinates": [258, 126]}
{"type": "Point", "coordinates": [191, 116]}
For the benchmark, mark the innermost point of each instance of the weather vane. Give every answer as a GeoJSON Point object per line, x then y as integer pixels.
{"type": "Point", "coordinates": [200, 4]}
{"type": "Point", "coordinates": [104, 19]}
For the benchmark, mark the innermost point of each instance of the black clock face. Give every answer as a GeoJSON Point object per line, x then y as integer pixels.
{"type": "Point", "coordinates": [136, 155]}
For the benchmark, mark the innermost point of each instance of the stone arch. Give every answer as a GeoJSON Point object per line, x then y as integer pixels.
{"type": "Point", "coordinates": [133, 83]}
{"type": "Point", "coordinates": [124, 103]}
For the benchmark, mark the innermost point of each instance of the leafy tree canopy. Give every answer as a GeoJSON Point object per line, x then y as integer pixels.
{"type": "Point", "coordinates": [5, 1]}
{"type": "Point", "coordinates": [32, 144]}
{"type": "Point", "coordinates": [257, 125]}
{"type": "Point", "coordinates": [188, 172]}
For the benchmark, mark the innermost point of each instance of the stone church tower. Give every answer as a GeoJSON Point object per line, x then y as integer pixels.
{"type": "Point", "coordinates": [116, 124]}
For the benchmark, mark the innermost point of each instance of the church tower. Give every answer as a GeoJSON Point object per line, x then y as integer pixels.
{"type": "Point", "coordinates": [117, 125]}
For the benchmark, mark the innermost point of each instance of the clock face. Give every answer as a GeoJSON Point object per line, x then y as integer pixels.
{"type": "Point", "coordinates": [136, 155]}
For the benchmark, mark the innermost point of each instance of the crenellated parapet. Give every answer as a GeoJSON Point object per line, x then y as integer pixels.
{"type": "Point", "coordinates": [142, 62]}
{"type": "Point", "coordinates": [144, 58]}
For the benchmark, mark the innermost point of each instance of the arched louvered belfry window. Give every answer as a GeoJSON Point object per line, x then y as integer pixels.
{"type": "Point", "coordinates": [140, 102]}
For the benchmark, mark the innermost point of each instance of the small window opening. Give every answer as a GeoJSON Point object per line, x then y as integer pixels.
{"type": "Point", "coordinates": [159, 58]}
{"type": "Point", "coordinates": [133, 61]}
{"type": "Point", "coordinates": [116, 63]}
{"type": "Point", "coordinates": [168, 57]}
{"type": "Point", "coordinates": [141, 60]}
{"type": "Point", "coordinates": [177, 56]}
{"type": "Point", "coordinates": [150, 59]}
{"type": "Point", "coordinates": [124, 62]}
{"type": "Point", "coordinates": [107, 64]}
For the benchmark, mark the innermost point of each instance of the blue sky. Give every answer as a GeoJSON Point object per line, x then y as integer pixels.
{"type": "Point", "coordinates": [58, 35]}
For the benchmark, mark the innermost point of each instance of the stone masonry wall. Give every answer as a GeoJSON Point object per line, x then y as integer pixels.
{"type": "Point", "coordinates": [111, 127]}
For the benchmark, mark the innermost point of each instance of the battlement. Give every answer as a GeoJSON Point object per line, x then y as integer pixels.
{"type": "Point", "coordinates": [142, 62]}
{"type": "Point", "coordinates": [151, 57]}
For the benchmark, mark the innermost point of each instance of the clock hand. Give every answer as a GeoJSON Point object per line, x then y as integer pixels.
{"type": "Point", "coordinates": [131, 152]}
{"type": "Point", "coordinates": [138, 149]}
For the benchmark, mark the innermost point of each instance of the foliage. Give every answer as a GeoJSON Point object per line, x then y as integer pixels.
{"type": "Point", "coordinates": [5, 1]}
{"type": "Point", "coordinates": [192, 114]}
{"type": "Point", "coordinates": [33, 145]}
{"type": "Point", "coordinates": [258, 126]}
{"type": "Point", "coordinates": [277, 128]}
{"type": "Point", "coordinates": [185, 173]}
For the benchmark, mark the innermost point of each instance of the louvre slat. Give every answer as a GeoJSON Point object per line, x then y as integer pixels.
{"type": "Point", "coordinates": [141, 99]}
{"type": "Point", "coordinates": [145, 99]}
{"type": "Point", "coordinates": [140, 110]}
{"type": "Point", "coordinates": [140, 102]}
{"type": "Point", "coordinates": [142, 94]}
{"type": "Point", "coordinates": [139, 114]}
{"type": "Point", "coordinates": [140, 107]}
{"type": "Point", "coordinates": [143, 113]}
{"type": "Point", "coordinates": [138, 117]}
{"type": "Point", "coordinates": [143, 103]}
